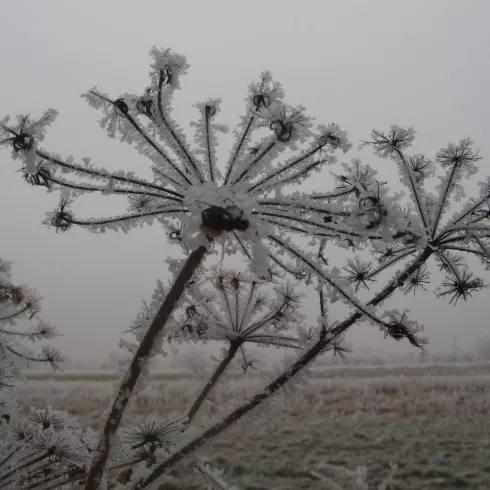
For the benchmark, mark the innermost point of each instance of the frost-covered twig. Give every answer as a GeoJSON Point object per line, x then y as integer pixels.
{"type": "Point", "coordinates": [212, 476]}
{"type": "Point", "coordinates": [137, 365]}
{"type": "Point", "coordinates": [456, 157]}
{"type": "Point", "coordinates": [225, 362]}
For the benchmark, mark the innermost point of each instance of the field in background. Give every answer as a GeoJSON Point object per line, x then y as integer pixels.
{"type": "Point", "coordinates": [433, 421]}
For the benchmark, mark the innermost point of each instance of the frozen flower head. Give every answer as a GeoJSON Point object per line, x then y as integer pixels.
{"type": "Point", "coordinates": [24, 135]}
{"type": "Point", "coordinates": [239, 309]}
{"type": "Point", "coordinates": [395, 140]}
{"type": "Point", "coordinates": [254, 202]}
{"type": "Point", "coordinates": [397, 326]}
{"type": "Point", "coordinates": [414, 227]}
{"type": "Point", "coordinates": [45, 447]}
{"type": "Point", "coordinates": [241, 204]}
{"type": "Point", "coordinates": [151, 433]}
{"type": "Point", "coordinates": [458, 155]}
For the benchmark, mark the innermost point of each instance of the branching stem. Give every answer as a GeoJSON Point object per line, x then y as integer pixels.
{"type": "Point", "coordinates": [281, 380]}
{"type": "Point", "coordinates": [225, 362]}
{"type": "Point", "coordinates": [137, 364]}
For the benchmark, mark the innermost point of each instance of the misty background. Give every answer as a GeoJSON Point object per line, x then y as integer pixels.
{"type": "Point", "coordinates": [356, 63]}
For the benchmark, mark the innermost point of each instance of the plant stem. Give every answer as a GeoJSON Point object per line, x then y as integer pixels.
{"type": "Point", "coordinates": [282, 379]}
{"type": "Point", "coordinates": [135, 368]}
{"type": "Point", "coordinates": [231, 164]}
{"type": "Point", "coordinates": [233, 349]}
{"type": "Point", "coordinates": [416, 190]}
{"type": "Point", "coordinates": [443, 199]}
{"type": "Point", "coordinates": [208, 143]}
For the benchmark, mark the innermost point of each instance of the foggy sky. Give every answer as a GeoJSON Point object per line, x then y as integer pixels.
{"type": "Point", "coordinates": [357, 63]}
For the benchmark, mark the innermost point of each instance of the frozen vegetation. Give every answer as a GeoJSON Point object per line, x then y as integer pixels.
{"type": "Point", "coordinates": [255, 240]}
{"type": "Point", "coordinates": [430, 422]}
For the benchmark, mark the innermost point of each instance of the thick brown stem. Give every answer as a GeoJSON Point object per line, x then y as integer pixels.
{"type": "Point", "coordinates": [134, 370]}
{"type": "Point", "coordinates": [234, 346]}
{"type": "Point", "coordinates": [281, 380]}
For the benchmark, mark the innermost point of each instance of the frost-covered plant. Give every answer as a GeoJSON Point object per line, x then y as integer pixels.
{"type": "Point", "coordinates": [237, 311]}
{"type": "Point", "coordinates": [355, 480]}
{"type": "Point", "coordinates": [47, 447]}
{"type": "Point", "coordinates": [254, 205]}
{"type": "Point", "coordinates": [21, 304]}
{"type": "Point", "coordinates": [225, 306]}
{"type": "Point", "coordinates": [47, 450]}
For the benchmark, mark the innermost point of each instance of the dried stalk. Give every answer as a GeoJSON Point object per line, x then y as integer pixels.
{"type": "Point", "coordinates": [135, 368]}
{"type": "Point", "coordinates": [234, 346]}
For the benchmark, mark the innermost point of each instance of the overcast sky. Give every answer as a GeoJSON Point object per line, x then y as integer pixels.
{"type": "Point", "coordinates": [361, 64]}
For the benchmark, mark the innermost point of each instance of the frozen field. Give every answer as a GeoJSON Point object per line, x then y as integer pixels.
{"type": "Point", "coordinates": [433, 422]}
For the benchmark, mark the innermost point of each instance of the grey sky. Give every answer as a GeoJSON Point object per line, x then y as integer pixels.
{"type": "Point", "coordinates": [357, 63]}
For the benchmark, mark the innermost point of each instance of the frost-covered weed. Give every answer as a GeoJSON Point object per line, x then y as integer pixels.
{"type": "Point", "coordinates": [47, 446]}
{"type": "Point", "coordinates": [255, 206]}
